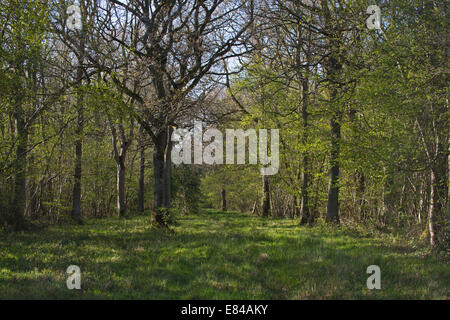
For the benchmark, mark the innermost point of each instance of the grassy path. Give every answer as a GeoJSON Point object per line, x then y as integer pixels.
{"type": "Point", "coordinates": [214, 255]}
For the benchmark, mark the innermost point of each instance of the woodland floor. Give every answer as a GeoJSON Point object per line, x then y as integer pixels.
{"type": "Point", "coordinates": [215, 255]}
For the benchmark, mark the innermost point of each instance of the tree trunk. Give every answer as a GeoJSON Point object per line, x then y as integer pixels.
{"type": "Point", "coordinates": [255, 207]}
{"type": "Point", "coordinates": [438, 215]}
{"type": "Point", "coordinates": [360, 194]}
{"type": "Point", "coordinates": [17, 218]}
{"type": "Point", "coordinates": [305, 208]}
{"type": "Point", "coordinates": [420, 205]}
{"type": "Point", "coordinates": [121, 202]}
{"type": "Point", "coordinates": [265, 208]}
{"type": "Point", "coordinates": [302, 75]}
{"type": "Point", "coordinates": [224, 199]}
{"type": "Point", "coordinates": [333, 189]}
{"type": "Point", "coordinates": [333, 70]}
{"type": "Point", "coordinates": [162, 172]}
{"type": "Point", "coordinates": [141, 192]}
{"type": "Point", "coordinates": [76, 194]}
{"type": "Point", "coordinates": [296, 209]}
{"type": "Point", "coordinates": [431, 210]}
{"type": "Point", "coordinates": [448, 192]}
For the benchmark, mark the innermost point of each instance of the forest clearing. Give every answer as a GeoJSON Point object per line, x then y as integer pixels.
{"type": "Point", "coordinates": [216, 255]}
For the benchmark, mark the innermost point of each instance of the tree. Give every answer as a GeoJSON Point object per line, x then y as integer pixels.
{"type": "Point", "coordinates": [181, 43]}
{"type": "Point", "coordinates": [409, 88]}
{"type": "Point", "coordinates": [22, 61]}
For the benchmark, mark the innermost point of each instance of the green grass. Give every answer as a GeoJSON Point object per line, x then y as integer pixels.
{"type": "Point", "coordinates": [215, 255]}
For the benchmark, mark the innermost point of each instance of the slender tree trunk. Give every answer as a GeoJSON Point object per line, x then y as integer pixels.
{"type": "Point", "coordinates": [35, 199]}
{"type": "Point", "coordinates": [438, 217]}
{"type": "Point", "coordinates": [141, 192]}
{"type": "Point", "coordinates": [265, 208]}
{"type": "Point", "coordinates": [17, 218]}
{"type": "Point", "coordinates": [431, 210]}
{"type": "Point", "coordinates": [420, 205]}
{"type": "Point", "coordinates": [305, 208]}
{"type": "Point", "coordinates": [76, 193]}
{"type": "Point", "coordinates": [120, 156]}
{"type": "Point", "coordinates": [448, 191]}
{"type": "Point", "coordinates": [255, 207]}
{"type": "Point", "coordinates": [296, 211]}
{"type": "Point", "coordinates": [224, 199]}
{"type": "Point", "coordinates": [361, 189]}
{"type": "Point", "coordinates": [333, 189]}
{"type": "Point", "coordinates": [121, 201]}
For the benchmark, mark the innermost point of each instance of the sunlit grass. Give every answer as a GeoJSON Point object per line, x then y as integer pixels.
{"type": "Point", "coordinates": [215, 255]}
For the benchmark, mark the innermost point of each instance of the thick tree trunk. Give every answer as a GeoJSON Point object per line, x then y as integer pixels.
{"type": "Point", "coordinates": [17, 218]}
{"type": "Point", "coordinates": [333, 70]}
{"type": "Point", "coordinates": [162, 172]}
{"type": "Point", "coordinates": [141, 192]}
{"type": "Point", "coordinates": [265, 208]}
{"type": "Point", "coordinates": [120, 156]}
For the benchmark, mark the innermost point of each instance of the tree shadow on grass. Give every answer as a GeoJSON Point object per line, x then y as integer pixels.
{"type": "Point", "coordinates": [214, 259]}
